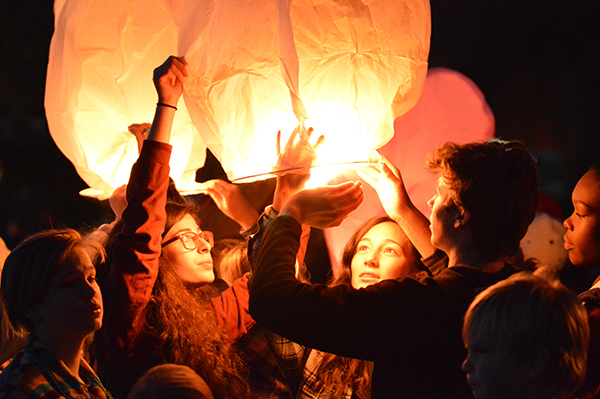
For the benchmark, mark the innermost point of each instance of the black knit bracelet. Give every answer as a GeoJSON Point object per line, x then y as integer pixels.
{"type": "Point", "coordinates": [167, 105]}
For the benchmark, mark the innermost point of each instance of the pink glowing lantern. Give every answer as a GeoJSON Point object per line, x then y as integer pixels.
{"type": "Point", "coordinates": [451, 108]}
{"type": "Point", "coordinates": [102, 56]}
{"type": "Point", "coordinates": [348, 69]}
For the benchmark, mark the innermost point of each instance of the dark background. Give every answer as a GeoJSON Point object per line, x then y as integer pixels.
{"type": "Point", "coordinates": [535, 61]}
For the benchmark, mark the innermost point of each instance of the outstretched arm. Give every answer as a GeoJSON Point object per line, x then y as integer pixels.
{"type": "Point", "coordinates": [168, 80]}
{"type": "Point", "coordinates": [386, 179]}
{"type": "Point", "coordinates": [137, 247]}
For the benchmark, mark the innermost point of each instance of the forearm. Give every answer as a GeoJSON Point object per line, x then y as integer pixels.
{"type": "Point", "coordinates": [416, 227]}
{"type": "Point", "coordinates": [162, 124]}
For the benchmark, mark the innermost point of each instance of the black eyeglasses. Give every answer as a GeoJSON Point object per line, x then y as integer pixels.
{"type": "Point", "coordinates": [191, 240]}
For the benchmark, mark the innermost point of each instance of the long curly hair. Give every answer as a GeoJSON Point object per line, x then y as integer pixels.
{"type": "Point", "coordinates": [181, 326]}
{"type": "Point", "coordinates": [338, 372]}
{"type": "Point", "coordinates": [181, 321]}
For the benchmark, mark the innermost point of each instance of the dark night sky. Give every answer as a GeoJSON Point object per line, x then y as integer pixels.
{"type": "Point", "coordinates": [535, 61]}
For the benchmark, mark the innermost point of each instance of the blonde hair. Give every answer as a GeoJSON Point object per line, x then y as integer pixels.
{"type": "Point", "coordinates": [230, 257]}
{"type": "Point", "coordinates": [30, 266]}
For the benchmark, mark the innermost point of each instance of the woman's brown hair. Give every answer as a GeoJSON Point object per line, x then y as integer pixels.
{"type": "Point", "coordinates": [338, 372]}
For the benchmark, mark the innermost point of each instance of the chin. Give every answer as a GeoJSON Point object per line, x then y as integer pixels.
{"type": "Point", "coordinates": [202, 279]}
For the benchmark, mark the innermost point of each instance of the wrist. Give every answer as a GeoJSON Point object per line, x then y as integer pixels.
{"type": "Point", "coordinates": [166, 105]}
{"type": "Point", "coordinates": [289, 209]}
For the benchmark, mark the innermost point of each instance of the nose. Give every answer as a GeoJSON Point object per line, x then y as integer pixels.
{"type": "Point", "coordinates": [567, 223]}
{"type": "Point", "coordinates": [203, 246]}
{"type": "Point", "coordinates": [372, 260]}
{"type": "Point", "coordinates": [467, 365]}
{"type": "Point", "coordinates": [89, 289]}
{"type": "Point", "coordinates": [431, 201]}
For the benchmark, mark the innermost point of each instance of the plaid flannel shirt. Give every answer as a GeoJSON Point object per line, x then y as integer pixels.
{"type": "Point", "coordinates": [38, 373]}
{"type": "Point", "coordinates": [300, 365]}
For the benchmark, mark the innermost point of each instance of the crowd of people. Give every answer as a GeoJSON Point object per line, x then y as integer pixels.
{"type": "Point", "coordinates": [443, 306]}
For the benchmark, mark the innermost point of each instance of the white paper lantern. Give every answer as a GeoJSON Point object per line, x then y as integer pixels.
{"type": "Point", "coordinates": [99, 82]}
{"type": "Point", "coordinates": [346, 68]}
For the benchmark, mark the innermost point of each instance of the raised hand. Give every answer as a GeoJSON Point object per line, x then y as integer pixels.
{"type": "Point", "coordinates": [231, 201]}
{"type": "Point", "coordinates": [169, 79]}
{"type": "Point", "coordinates": [386, 179]}
{"type": "Point", "coordinates": [298, 156]}
{"type": "Point", "coordinates": [325, 206]}
{"type": "Point", "coordinates": [140, 131]}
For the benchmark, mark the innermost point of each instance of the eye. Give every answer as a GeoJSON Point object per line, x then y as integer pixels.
{"type": "Point", "coordinates": [390, 250]}
{"type": "Point", "coordinates": [362, 248]}
{"type": "Point", "coordinates": [186, 238]}
{"type": "Point", "coordinates": [579, 215]}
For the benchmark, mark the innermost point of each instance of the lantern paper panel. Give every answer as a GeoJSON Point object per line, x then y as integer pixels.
{"type": "Point", "coordinates": [345, 68]}
{"type": "Point", "coordinates": [451, 108]}
{"type": "Point", "coordinates": [99, 81]}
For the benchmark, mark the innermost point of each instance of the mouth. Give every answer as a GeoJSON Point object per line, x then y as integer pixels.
{"type": "Point", "coordinates": [208, 265]}
{"type": "Point", "coordinates": [95, 309]}
{"type": "Point", "coordinates": [568, 245]}
{"type": "Point", "coordinates": [368, 276]}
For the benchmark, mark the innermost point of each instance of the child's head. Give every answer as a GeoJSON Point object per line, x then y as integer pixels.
{"type": "Point", "coordinates": [525, 335]}
{"type": "Point", "coordinates": [496, 183]}
{"type": "Point", "coordinates": [582, 238]}
{"type": "Point", "coordinates": [170, 381]}
{"type": "Point", "coordinates": [49, 281]}
{"type": "Point", "coordinates": [231, 259]}
{"type": "Point", "coordinates": [378, 250]}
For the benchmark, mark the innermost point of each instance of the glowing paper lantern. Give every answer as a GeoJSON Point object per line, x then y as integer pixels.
{"type": "Point", "coordinates": [102, 56]}
{"type": "Point", "coordinates": [451, 108]}
{"type": "Point", "coordinates": [346, 68]}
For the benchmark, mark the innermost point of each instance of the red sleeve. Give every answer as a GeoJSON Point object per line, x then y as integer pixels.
{"type": "Point", "coordinates": [135, 252]}
{"type": "Point", "coordinates": [231, 308]}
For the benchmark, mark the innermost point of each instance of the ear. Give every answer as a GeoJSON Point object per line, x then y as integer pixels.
{"type": "Point", "coordinates": [420, 274]}
{"type": "Point", "coordinates": [462, 219]}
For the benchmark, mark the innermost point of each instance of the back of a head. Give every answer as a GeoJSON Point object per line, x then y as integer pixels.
{"type": "Point", "coordinates": [527, 312]}
{"type": "Point", "coordinates": [170, 381]}
{"type": "Point", "coordinates": [496, 182]}
{"type": "Point", "coordinates": [30, 265]}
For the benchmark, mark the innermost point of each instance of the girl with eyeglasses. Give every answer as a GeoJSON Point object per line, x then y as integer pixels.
{"type": "Point", "coordinates": [158, 308]}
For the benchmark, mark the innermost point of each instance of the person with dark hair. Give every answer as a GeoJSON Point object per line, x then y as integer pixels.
{"type": "Point", "coordinates": [527, 338]}
{"type": "Point", "coordinates": [378, 250]}
{"type": "Point", "coordinates": [161, 307]}
{"type": "Point", "coordinates": [582, 241]}
{"type": "Point", "coordinates": [156, 309]}
{"type": "Point", "coordinates": [49, 289]}
{"type": "Point", "coordinates": [486, 197]}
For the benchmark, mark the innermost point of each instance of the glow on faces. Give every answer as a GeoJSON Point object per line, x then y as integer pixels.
{"type": "Point", "coordinates": [383, 253]}
{"type": "Point", "coordinates": [442, 217]}
{"type": "Point", "coordinates": [72, 306]}
{"type": "Point", "coordinates": [193, 266]}
{"type": "Point", "coordinates": [582, 238]}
